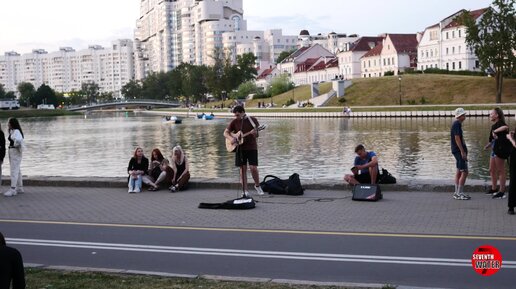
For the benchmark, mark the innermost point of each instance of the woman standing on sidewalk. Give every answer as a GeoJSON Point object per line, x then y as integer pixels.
{"type": "Point", "coordinates": [181, 169]}
{"type": "Point", "coordinates": [2, 152]}
{"type": "Point", "coordinates": [16, 146]}
{"type": "Point", "coordinates": [138, 166]}
{"type": "Point", "coordinates": [501, 151]}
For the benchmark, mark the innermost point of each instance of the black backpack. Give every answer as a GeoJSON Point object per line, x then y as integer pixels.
{"type": "Point", "coordinates": [386, 178]}
{"type": "Point", "coordinates": [277, 186]}
{"type": "Point", "coordinates": [236, 204]}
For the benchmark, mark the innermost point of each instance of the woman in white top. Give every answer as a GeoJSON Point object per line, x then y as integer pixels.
{"type": "Point", "coordinates": [16, 146]}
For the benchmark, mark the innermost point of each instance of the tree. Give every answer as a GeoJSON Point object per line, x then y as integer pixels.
{"type": "Point", "coordinates": [2, 91]}
{"type": "Point", "coordinates": [76, 98]}
{"type": "Point", "coordinates": [283, 55]}
{"type": "Point", "coordinates": [155, 86]}
{"type": "Point", "coordinates": [27, 92]}
{"type": "Point", "coordinates": [245, 89]}
{"type": "Point", "coordinates": [246, 64]}
{"type": "Point", "coordinates": [132, 89]}
{"type": "Point", "coordinates": [493, 39]}
{"type": "Point", "coordinates": [45, 95]}
{"type": "Point", "coordinates": [106, 97]}
{"type": "Point", "coordinates": [90, 90]}
{"type": "Point", "coordinates": [10, 95]}
{"type": "Point", "coordinates": [280, 84]}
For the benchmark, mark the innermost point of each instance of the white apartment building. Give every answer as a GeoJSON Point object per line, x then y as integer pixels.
{"type": "Point", "coordinates": [65, 70]}
{"type": "Point", "coordinates": [333, 42]}
{"type": "Point", "coordinates": [170, 32]}
{"type": "Point", "coordinates": [349, 58]}
{"type": "Point", "coordinates": [265, 45]}
{"type": "Point", "coordinates": [396, 53]}
{"type": "Point", "coordinates": [443, 45]}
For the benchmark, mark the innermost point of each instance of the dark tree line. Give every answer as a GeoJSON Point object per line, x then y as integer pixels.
{"type": "Point", "coordinates": [193, 83]}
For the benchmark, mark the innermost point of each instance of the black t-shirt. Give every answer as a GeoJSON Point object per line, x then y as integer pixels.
{"type": "Point", "coordinates": [502, 134]}
{"type": "Point", "coordinates": [2, 146]}
{"type": "Point", "coordinates": [135, 166]}
{"type": "Point", "coordinates": [245, 126]}
{"type": "Point", "coordinates": [11, 268]}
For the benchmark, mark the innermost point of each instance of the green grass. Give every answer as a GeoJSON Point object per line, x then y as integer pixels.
{"type": "Point", "coordinates": [434, 89]}
{"type": "Point", "coordinates": [22, 113]}
{"type": "Point", "coordinates": [50, 279]}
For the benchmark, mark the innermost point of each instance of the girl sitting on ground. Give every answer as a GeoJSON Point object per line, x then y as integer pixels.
{"type": "Point", "coordinates": [154, 169]}
{"type": "Point", "coordinates": [165, 177]}
{"type": "Point", "coordinates": [181, 170]}
{"type": "Point", "coordinates": [137, 168]}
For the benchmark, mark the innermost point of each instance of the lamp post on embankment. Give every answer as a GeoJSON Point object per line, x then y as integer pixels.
{"type": "Point", "coordinates": [399, 82]}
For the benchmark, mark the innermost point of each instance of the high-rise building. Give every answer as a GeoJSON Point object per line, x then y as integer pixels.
{"type": "Point", "coordinates": [65, 70]}
{"type": "Point", "coordinates": [171, 32]}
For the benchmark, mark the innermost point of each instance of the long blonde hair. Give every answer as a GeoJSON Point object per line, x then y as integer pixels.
{"type": "Point", "coordinates": [174, 158]}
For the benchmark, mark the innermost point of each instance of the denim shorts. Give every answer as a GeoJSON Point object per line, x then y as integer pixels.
{"type": "Point", "coordinates": [462, 165]}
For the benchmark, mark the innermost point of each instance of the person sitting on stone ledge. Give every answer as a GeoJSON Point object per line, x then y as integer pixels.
{"type": "Point", "coordinates": [365, 169]}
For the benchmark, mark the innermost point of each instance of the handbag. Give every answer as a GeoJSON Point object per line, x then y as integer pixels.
{"type": "Point", "coordinates": [502, 148]}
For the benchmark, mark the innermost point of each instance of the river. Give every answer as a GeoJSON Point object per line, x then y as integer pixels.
{"type": "Point", "coordinates": [101, 144]}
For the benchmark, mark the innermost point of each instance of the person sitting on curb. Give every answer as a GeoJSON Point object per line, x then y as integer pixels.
{"type": "Point", "coordinates": [11, 267]}
{"type": "Point", "coordinates": [365, 170]}
{"type": "Point", "coordinates": [181, 169]}
{"type": "Point", "coordinates": [137, 168]}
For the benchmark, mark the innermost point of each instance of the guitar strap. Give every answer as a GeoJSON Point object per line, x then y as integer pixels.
{"type": "Point", "coordinates": [252, 123]}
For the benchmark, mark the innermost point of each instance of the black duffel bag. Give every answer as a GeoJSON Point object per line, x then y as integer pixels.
{"type": "Point", "coordinates": [276, 186]}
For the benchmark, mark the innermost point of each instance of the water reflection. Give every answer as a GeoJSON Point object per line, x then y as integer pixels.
{"type": "Point", "coordinates": [101, 145]}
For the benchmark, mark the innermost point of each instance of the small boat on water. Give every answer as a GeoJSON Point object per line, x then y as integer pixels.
{"type": "Point", "coordinates": [206, 116]}
{"type": "Point", "coordinates": [172, 119]}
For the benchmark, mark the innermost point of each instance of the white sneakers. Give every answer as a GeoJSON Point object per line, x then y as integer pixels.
{"type": "Point", "coordinates": [10, 193]}
{"type": "Point", "coordinates": [259, 190]}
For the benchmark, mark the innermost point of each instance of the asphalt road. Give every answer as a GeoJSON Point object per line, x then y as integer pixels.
{"type": "Point", "coordinates": [411, 260]}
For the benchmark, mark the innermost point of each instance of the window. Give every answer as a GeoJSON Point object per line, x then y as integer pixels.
{"type": "Point", "coordinates": [453, 34]}
{"type": "Point", "coordinates": [388, 61]}
{"type": "Point", "coordinates": [477, 64]}
{"type": "Point", "coordinates": [460, 64]}
{"type": "Point", "coordinates": [453, 50]}
{"type": "Point", "coordinates": [453, 65]}
{"type": "Point", "coordinates": [460, 33]}
{"type": "Point", "coordinates": [460, 48]}
{"type": "Point", "coordinates": [447, 35]}
{"type": "Point", "coordinates": [447, 66]}
{"type": "Point", "coordinates": [427, 54]}
{"type": "Point", "coordinates": [447, 51]}
{"type": "Point", "coordinates": [369, 63]}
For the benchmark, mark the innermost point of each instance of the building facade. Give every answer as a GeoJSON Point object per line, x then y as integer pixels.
{"type": "Point", "coordinates": [171, 32]}
{"type": "Point", "coordinates": [443, 45]}
{"type": "Point", "coordinates": [349, 58]}
{"type": "Point", "coordinates": [396, 53]}
{"type": "Point", "coordinates": [65, 70]}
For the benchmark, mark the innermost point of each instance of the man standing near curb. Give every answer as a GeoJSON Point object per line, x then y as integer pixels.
{"type": "Point", "coordinates": [246, 153]}
{"type": "Point", "coordinates": [460, 152]}
{"type": "Point", "coordinates": [11, 267]}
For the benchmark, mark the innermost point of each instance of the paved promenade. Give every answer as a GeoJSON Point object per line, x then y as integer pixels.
{"type": "Point", "coordinates": [405, 212]}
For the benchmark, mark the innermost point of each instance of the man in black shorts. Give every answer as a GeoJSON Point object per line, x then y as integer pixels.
{"type": "Point", "coordinates": [247, 152]}
{"type": "Point", "coordinates": [365, 169]}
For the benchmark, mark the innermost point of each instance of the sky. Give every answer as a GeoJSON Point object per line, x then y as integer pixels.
{"type": "Point", "coordinates": [50, 24]}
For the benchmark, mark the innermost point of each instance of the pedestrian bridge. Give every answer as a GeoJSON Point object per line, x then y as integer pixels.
{"type": "Point", "coordinates": [126, 103]}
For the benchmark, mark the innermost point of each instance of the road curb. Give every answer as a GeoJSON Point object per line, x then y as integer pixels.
{"type": "Point", "coordinates": [230, 184]}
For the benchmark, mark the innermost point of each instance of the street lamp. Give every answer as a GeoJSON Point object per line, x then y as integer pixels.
{"type": "Point", "coordinates": [399, 81]}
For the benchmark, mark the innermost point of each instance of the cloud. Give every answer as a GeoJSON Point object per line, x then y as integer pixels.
{"type": "Point", "coordinates": [291, 25]}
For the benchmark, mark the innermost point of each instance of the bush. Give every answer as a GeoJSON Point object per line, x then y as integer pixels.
{"type": "Point", "coordinates": [279, 85]}
{"type": "Point", "coordinates": [388, 73]}
{"type": "Point", "coordinates": [261, 95]}
{"type": "Point", "coordinates": [423, 100]}
{"type": "Point", "coordinates": [411, 70]}
{"type": "Point", "coordinates": [452, 72]}
{"type": "Point", "coordinates": [342, 100]}
{"type": "Point", "coordinates": [290, 102]}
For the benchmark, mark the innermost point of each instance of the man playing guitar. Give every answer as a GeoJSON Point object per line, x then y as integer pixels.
{"type": "Point", "coordinates": [247, 152]}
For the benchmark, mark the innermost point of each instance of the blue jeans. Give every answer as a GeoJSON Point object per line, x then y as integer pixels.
{"type": "Point", "coordinates": [135, 184]}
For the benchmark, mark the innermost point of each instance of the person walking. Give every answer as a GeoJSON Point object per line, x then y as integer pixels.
{"type": "Point", "coordinates": [16, 147]}
{"type": "Point", "coordinates": [11, 267]}
{"type": "Point", "coordinates": [460, 152]}
{"type": "Point", "coordinates": [247, 152]}
{"type": "Point", "coordinates": [501, 150]}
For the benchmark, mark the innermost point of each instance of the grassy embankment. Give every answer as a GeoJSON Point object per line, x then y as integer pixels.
{"type": "Point", "coordinates": [37, 278]}
{"type": "Point", "coordinates": [419, 93]}
{"type": "Point", "coordinates": [22, 113]}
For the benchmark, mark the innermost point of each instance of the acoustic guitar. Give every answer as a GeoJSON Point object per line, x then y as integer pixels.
{"type": "Point", "coordinates": [231, 147]}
